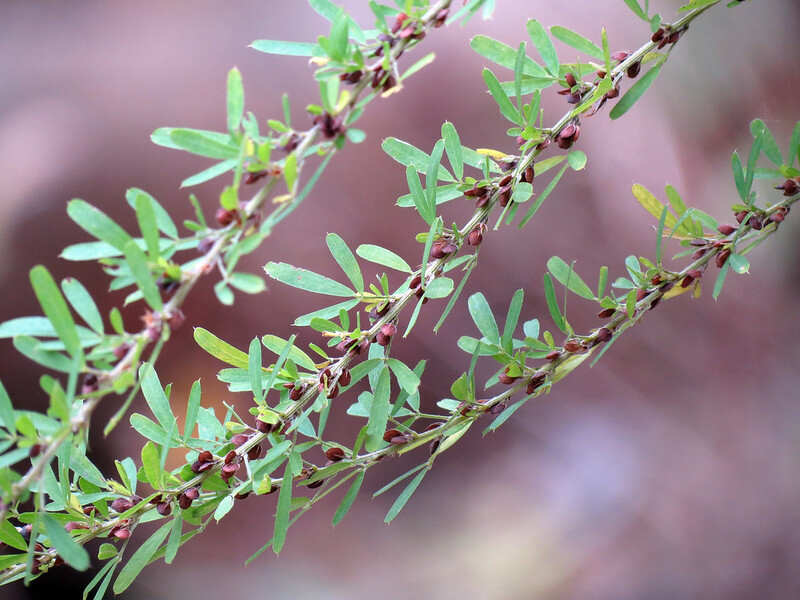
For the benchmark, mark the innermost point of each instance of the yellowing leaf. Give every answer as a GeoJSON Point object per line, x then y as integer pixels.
{"type": "Point", "coordinates": [652, 205]}
{"type": "Point", "coordinates": [496, 154]}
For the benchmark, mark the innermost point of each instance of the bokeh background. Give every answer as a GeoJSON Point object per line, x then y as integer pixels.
{"type": "Point", "coordinates": [666, 471]}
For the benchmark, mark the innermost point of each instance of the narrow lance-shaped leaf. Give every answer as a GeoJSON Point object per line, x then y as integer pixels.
{"type": "Point", "coordinates": [192, 408]}
{"type": "Point", "coordinates": [81, 301]}
{"type": "Point", "coordinates": [73, 553]}
{"type": "Point", "coordinates": [348, 499]}
{"type": "Point", "coordinates": [200, 143]}
{"type": "Point", "coordinates": [137, 261]}
{"type": "Point", "coordinates": [507, 109]}
{"type": "Point", "coordinates": [156, 398]}
{"type": "Point", "coordinates": [220, 349]}
{"type": "Point", "coordinates": [235, 100]}
{"type": "Point", "coordinates": [577, 41]}
{"type": "Point", "coordinates": [482, 315]}
{"type": "Point", "coordinates": [97, 223]}
{"type": "Point", "coordinates": [541, 40]}
{"type": "Point", "coordinates": [146, 216]}
{"type": "Point", "coordinates": [430, 175]}
{"type": "Point", "coordinates": [512, 317]}
{"type": "Point", "coordinates": [306, 280]}
{"type": "Point", "coordinates": [382, 256]}
{"type": "Point", "coordinates": [284, 48]}
{"type": "Point", "coordinates": [55, 309]}
{"type": "Point", "coordinates": [425, 210]}
{"type": "Point", "coordinates": [505, 55]}
{"type": "Point", "coordinates": [452, 144]}
{"type": "Point", "coordinates": [344, 256]}
{"type": "Point", "coordinates": [283, 510]}
{"type": "Point", "coordinates": [140, 558]}
{"type": "Point", "coordinates": [379, 413]}
{"type": "Point", "coordinates": [408, 155]}
{"type": "Point", "coordinates": [552, 302]}
{"type": "Point", "coordinates": [542, 197]}
{"type": "Point", "coordinates": [567, 277]}
{"type": "Point", "coordinates": [637, 91]}
{"type": "Point", "coordinates": [254, 369]}
{"type": "Point", "coordinates": [404, 497]}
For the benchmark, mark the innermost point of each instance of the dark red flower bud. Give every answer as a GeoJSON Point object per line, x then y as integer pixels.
{"type": "Point", "coordinates": [722, 257]}
{"type": "Point", "coordinates": [529, 174]}
{"type": "Point", "coordinates": [505, 379]}
{"type": "Point", "coordinates": [229, 457]}
{"type": "Point", "coordinates": [120, 505]}
{"type": "Point", "coordinates": [695, 273]}
{"type": "Point", "coordinates": [634, 69]}
{"type": "Point", "coordinates": [35, 450]}
{"type": "Point", "coordinates": [699, 253]}
{"type": "Point", "coordinates": [441, 17]}
{"type": "Point", "coordinates": [535, 382]}
{"type": "Point", "coordinates": [333, 392]}
{"type": "Point", "coordinates": [505, 181]}
{"type": "Point", "coordinates": [389, 434]}
{"type": "Point", "coordinates": [789, 187]}
{"type": "Point", "coordinates": [603, 334]}
{"type": "Point", "coordinates": [504, 196]}
{"type": "Point", "coordinates": [193, 493]}
{"type": "Point", "coordinates": [620, 55]}
{"type": "Point", "coordinates": [572, 346]}
{"type": "Point", "coordinates": [254, 176]}
{"type": "Point", "coordinates": [755, 222]}
{"type": "Point", "coordinates": [570, 78]}
{"type": "Point", "coordinates": [398, 22]}
{"type": "Point", "coordinates": [415, 281]}
{"type": "Point", "coordinates": [344, 378]}
{"type": "Point", "coordinates": [726, 229]}
{"type": "Point", "coordinates": [568, 136]}
{"type": "Point", "coordinates": [164, 509]}
{"type": "Point", "coordinates": [72, 525]}
{"type": "Point", "coordinates": [176, 319]}
{"type": "Point", "coordinates": [225, 217]}
{"type": "Point", "coordinates": [263, 426]}
{"type": "Point", "coordinates": [613, 92]}
{"type": "Point", "coordinates": [383, 340]}
{"type": "Point", "coordinates": [122, 533]}
{"type": "Point", "coordinates": [573, 99]}
{"type": "Point", "coordinates": [687, 281]}
{"type": "Point", "coordinates": [606, 312]}
{"type": "Point", "coordinates": [205, 456]}
{"type": "Point", "coordinates": [553, 355]}
{"type": "Point", "coordinates": [640, 294]}
{"type": "Point", "coordinates": [184, 501]}
{"type": "Point", "coordinates": [475, 237]}
{"type": "Point", "coordinates": [229, 470]}
{"type": "Point", "coordinates": [437, 250]}
{"type": "Point", "coordinates": [335, 454]}
{"type": "Point", "coordinates": [297, 392]}
{"type": "Point", "coordinates": [389, 329]}
{"type": "Point", "coordinates": [658, 35]}
{"type": "Point", "coordinates": [254, 452]}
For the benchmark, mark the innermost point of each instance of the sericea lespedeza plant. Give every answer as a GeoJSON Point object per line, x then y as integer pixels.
{"type": "Point", "coordinates": [55, 500]}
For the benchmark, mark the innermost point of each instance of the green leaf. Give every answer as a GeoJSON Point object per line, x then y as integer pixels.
{"type": "Point", "coordinates": [199, 142]}
{"type": "Point", "coordinates": [235, 100]}
{"type": "Point", "coordinates": [337, 41]}
{"type": "Point", "coordinates": [738, 175]}
{"type": "Point", "coordinates": [248, 283]}
{"type": "Point", "coordinates": [306, 280]}
{"type": "Point", "coordinates": [439, 288]}
{"type": "Point", "coordinates": [419, 197]}
{"type": "Point", "coordinates": [254, 369]}
{"type": "Point", "coordinates": [344, 256]}
{"type": "Point", "coordinates": [636, 92]}
{"type": "Point", "coordinates": [224, 293]}
{"type": "Point", "coordinates": [512, 318]}
{"type": "Point", "coordinates": [284, 48]}
{"type": "Point", "coordinates": [379, 412]}
{"type": "Point", "coordinates": [755, 152]}
{"type": "Point", "coordinates": [151, 463]}
{"type": "Point", "coordinates": [567, 277]}
{"type": "Point", "coordinates": [55, 309]}
{"type": "Point", "coordinates": [577, 41]}
{"type": "Point", "coordinates": [577, 160]}
{"type": "Point", "coordinates": [97, 223]}
{"type": "Point", "coordinates": [720, 281]}
{"type": "Point", "coordinates": [637, 10]}
{"type": "Point", "coordinates": [220, 349]}
{"type": "Point", "coordinates": [759, 129]}
{"type": "Point", "coordinates": [290, 171]}
{"type": "Point", "coordinates": [349, 498]}
{"type": "Point", "coordinates": [146, 216]}
{"type": "Point", "coordinates": [406, 378]}
{"type": "Point", "coordinates": [223, 508]}
{"type": "Point", "coordinates": [522, 192]}
{"type": "Point", "coordinates": [155, 397]}
{"type": "Point", "coordinates": [140, 558]}
{"type": "Point", "coordinates": [738, 264]}
{"type": "Point", "coordinates": [382, 256]}
{"type": "Point", "coordinates": [6, 409]}
{"type": "Point", "coordinates": [505, 416]}
{"type": "Point", "coordinates": [410, 156]}
{"type": "Point", "coordinates": [210, 173]}
{"type": "Point", "coordinates": [12, 537]}
{"type": "Point", "coordinates": [505, 55]}
{"type": "Point", "coordinates": [283, 509]}
{"type": "Point", "coordinates": [481, 313]}
{"type": "Point", "coordinates": [276, 344]}
{"type": "Point", "coordinates": [452, 144]}
{"type": "Point", "coordinates": [541, 40]}
{"type": "Point", "coordinates": [192, 406]}
{"type": "Point", "coordinates": [507, 109]}
{"type": "Point", "coordinates": [174, 541]}
{"type": "Point", "coordinates": [137, 261]}
{"type": "Point", "coordinates": [81, 301]}
{"type": "Point", "coordinates": [552, 303]}
{"type": "Point", "coordinates": [68, 549]}
{"type": "Point", "coordinates": [430, 177]}
{"type": "Point", "coordinates": [794, 145]}
{"type": "Point", "coordinates": [404, 497]}
{"type": "Point", "coordinates": [32, 349]}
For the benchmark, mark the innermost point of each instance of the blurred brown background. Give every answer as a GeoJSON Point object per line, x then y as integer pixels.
{"type": "Point", "coordinates": [667, 471]}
